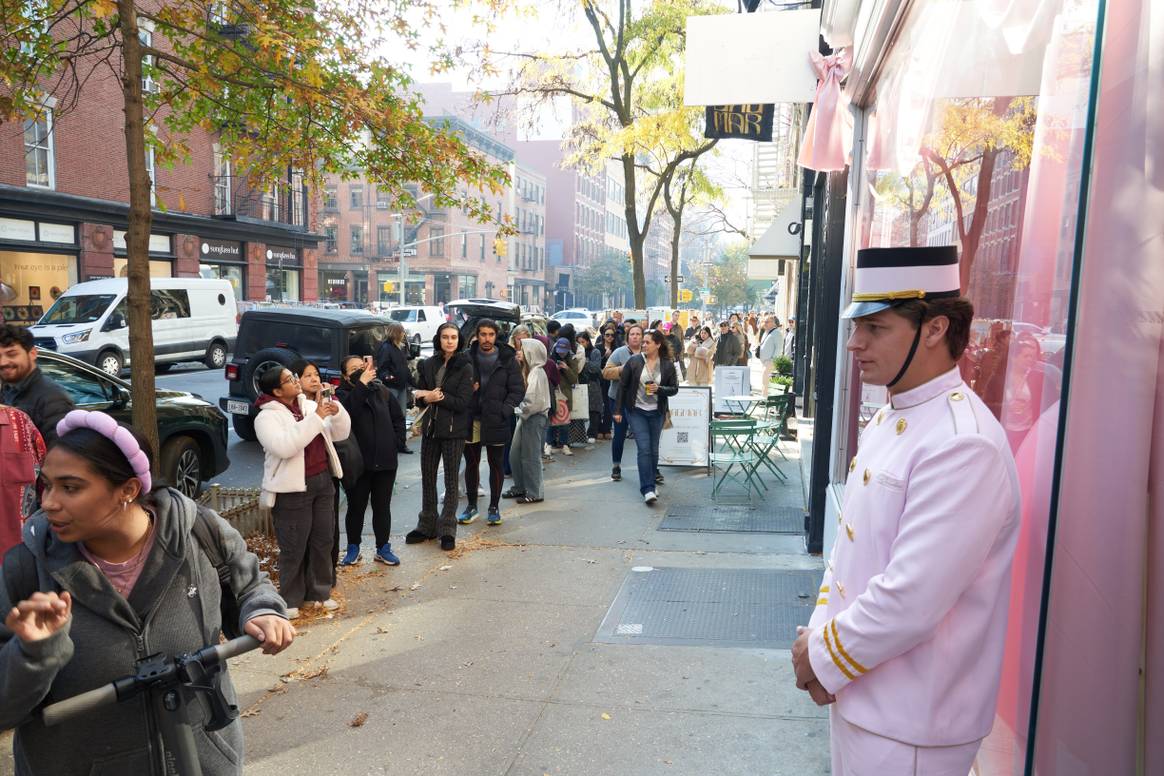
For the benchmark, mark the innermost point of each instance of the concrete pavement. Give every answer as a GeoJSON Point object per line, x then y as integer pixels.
{"type": "Point", "coordinates": [484, 661]}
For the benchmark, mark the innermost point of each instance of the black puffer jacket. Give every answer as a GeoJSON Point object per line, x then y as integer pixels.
{"type": "Point", "coordinates": [377, 422]}
{"type": "Point", "coordinates": [448, 418]}
{"type": "Point", "coordinates": [392, 366]}
{"type": "Point", "coordinates": [493, 402]}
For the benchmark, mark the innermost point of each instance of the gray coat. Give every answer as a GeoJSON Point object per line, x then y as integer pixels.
{"type": "Point", "coordinates": [174, 608]}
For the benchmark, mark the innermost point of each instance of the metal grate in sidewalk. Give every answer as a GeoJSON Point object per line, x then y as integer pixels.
{"type": "Point", "coordinates": [734, 519]}
{"type": "Point", "coordinates": [755, 608]}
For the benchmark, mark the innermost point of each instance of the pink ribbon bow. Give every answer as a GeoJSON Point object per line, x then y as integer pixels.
{"type": "Point", "coordinates": [829, 133]}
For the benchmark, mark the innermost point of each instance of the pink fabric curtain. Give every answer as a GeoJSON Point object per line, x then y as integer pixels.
{"type": "Point", "coordinates": [829, 134]}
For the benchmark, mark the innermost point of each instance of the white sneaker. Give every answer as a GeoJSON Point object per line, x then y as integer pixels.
{"type": "Point", "coordinates": [649, 497]}
{"type": "Point", "coordinates": [566, 450]}
{"type": "Point", "coordinates": [330, 604]}
{"type": "Point", "coordinates": [481, 492]}
{"type": "Point", "coordinates": [590, 440]}
{"type": "Point", "coordinates": [292, 612]}
{"type": "Point", "coordinates": [547, 450]}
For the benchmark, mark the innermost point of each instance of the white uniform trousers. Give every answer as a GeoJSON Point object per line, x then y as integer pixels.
{"type": "Point", "coordinates": [858, 752]}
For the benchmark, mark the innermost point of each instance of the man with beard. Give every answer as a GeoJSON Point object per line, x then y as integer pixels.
{"type": "Point", "coordinates": [26, 387]}
{"type": "Point", "coordinates": [497, 389]}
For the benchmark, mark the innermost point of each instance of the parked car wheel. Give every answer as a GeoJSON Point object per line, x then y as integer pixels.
{"type": "Point", "coordinates": [110, 362]}
{"type": "Point", "coordinates": [215, 356]}
{"type": "Point", "coordinates": [416, 338]}
{"type": "Point", "coordinates": [182, 465]}
{"type": "Point", "coordinates": [244, 427]}
{"type": "Point", "coordinates": [260, 362]}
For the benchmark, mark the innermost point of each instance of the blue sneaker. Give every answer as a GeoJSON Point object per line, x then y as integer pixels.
{"type": "Point", "coordinates": [469, 515]}
{"type": "Point", "coordinates": [494, 517]}
{"type": "Point", "coordinates": [386, 556]}
{"type": "Point", "coordinates": [352, 556]}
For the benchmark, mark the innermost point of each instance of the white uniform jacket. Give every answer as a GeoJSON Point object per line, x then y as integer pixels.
{"type": "Point", "coordinates": [909, 625]}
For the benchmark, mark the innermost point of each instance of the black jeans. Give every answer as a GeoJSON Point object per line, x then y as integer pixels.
{"type": "Point", "coordinates": [377, 486]}
{"type": "Point", "coordinates": [495, 455]}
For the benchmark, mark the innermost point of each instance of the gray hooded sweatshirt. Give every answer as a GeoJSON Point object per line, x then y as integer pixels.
{"type": "Point", "coordinates": [173, 608]}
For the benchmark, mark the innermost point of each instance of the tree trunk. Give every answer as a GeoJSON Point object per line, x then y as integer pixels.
{"type": "Point", "coordinates": [972, 237]}
{"type": "Point", "coordinates": [141, 335]}
{"type": "Point", "coordinates": [636, 237]}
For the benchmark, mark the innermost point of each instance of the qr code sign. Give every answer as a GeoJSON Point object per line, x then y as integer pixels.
{"type": "Point", "coordinates": [681, 437]}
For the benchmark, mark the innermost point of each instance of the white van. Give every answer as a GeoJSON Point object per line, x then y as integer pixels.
{"type": "Point", "coordinates": [193, 320]}
{"type": "Point", "coordinates": [420, 322]}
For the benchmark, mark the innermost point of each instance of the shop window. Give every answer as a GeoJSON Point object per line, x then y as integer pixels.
{"type": "Point", "coordinates": [356, 247]}
{"type": "Point", "coordinates": [38, 151]}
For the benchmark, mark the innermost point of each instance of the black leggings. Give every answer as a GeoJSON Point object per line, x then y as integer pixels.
{"type": "Point", "coordinates": [496, 455]}
{"type": "Point", "coordinates": [376, 485]}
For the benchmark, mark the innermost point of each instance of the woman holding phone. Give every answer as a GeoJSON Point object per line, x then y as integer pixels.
{"type": "Point", "coordinates": [378, 428]}
{"type": "Point", "coordinates": [647, 379]}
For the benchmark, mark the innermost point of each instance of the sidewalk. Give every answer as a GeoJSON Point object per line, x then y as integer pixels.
{"type": "Point", "coordinates": [496, 659]}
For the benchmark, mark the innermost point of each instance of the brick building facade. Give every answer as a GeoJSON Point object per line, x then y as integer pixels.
{"type": "Point", "coordinates": [64, 193]}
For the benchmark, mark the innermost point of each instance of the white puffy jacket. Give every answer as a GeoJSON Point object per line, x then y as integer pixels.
{"type": "Point", "coordinates": [284, 439]}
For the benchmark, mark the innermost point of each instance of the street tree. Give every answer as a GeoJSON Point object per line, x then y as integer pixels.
{"type": "Point", "coordinates": [624, 92]}
{"type": "Point", "coordinates": [729, 281]}
{"type": "Point", "coordinates": [289, 92]}
{"type": "Point", "coordinates": [605, 278]}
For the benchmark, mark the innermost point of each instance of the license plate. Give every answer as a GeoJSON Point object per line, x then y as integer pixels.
{"type": "Point", "coordinates": [238, 407]}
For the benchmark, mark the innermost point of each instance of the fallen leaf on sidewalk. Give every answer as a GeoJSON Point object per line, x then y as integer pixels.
{"type": "Point", "coordinates": [359, 719]}
{"type": "Point", "coordinates": [251, 712]}
{"type": "Point", "coordinates": [414, 586]}
{"type": "Point", "coordinates": [605, 715]}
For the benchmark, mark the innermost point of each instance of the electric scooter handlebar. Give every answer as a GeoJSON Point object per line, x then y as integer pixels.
{"type": "Point", "coordinates": [128, 686]}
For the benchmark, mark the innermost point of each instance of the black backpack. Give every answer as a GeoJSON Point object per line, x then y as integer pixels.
{"type": "Point", "coordinates": [21, 580]}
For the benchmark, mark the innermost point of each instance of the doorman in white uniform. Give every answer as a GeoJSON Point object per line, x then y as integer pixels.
{"type": "Point", "coordinates": [907, 636]}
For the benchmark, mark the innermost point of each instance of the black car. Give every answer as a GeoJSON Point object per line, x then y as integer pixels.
{"type": "Point", "coordinates": [277, 336]}
{"type": "Point", "coordinates": [191, 430]}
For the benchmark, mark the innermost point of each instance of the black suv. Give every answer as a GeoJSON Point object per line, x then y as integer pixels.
{"type": "Point", "coordinates": [466, 313]}
{"type": "Point", "coordinates": [277, 336]}
{"type": "Point", "coordinates": [192, 432]}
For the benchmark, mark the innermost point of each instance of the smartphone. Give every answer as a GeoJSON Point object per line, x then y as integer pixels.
{"type": "Point", "coordinates": [325, 391]}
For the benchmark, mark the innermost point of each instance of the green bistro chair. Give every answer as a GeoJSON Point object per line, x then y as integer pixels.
{"type": "Point", "coordinates": [733, 456]}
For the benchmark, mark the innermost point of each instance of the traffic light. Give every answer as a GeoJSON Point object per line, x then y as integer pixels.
{"type": "Point", "coordinates": [500, 247]}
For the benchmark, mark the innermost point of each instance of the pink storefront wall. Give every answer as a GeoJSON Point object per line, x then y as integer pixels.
{"type": "Point", "coordinates": [1090, 701]}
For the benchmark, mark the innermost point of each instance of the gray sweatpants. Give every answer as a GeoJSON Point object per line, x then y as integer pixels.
{"type": "Point", "coordinates": [305, 528]}
{"type": "Point", "coordinates": [525, 455]}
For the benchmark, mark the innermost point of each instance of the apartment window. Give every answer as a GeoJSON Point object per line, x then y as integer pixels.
{"type": "Point", "coordinates": [298, 203]}
{"type": "Point", "coordinates": [436, 235]}
{"type": "Point", "coordinates": [222, 183]}
{"type": "Point", "coordinates": [383, 198]}
{"type": "Point", "coordinates": [464, 246]}
{"type": "Point", "coordinates": [356, 193]}
{"type": "Point", "coordinates": [269, 200]}
{"type": "Point", "coordinates": [384, 240]}
{"type": "Point", "coordinates": [329, 199]}
{"type": "Point", "coordinates": [145, 33]}
{"type": "Point", "coordinates": [357, 243]}
{"type": "Point", "coordinates": [151, 170]}
{"type": "Point", "coordinates": [38, 151]}
{"type": "Point", "coordinates": [330, 234]}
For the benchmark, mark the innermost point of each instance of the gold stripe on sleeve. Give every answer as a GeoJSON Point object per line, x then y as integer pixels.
{"type": "Point", "coordinates": [833, 655]}
{"type": "Point", "coordinates": [836, 638]}
{"type": "Point", "coordinates": [821, 600]}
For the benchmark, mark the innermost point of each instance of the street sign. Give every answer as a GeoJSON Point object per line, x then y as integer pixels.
{"type": "Point", "coordinates": [389, 286]}
{"type": "Point", "coordinates": [685, 295]}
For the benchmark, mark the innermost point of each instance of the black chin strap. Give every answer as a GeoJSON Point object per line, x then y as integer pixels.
{"type": "Point", "coordinates": [908, 359]}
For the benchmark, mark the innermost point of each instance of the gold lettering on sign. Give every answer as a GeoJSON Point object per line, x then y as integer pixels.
{"type": "Point", "coordinates": [738, 119]}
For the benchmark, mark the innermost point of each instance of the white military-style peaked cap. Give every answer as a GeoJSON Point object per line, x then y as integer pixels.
{"type": "Point", "coordinates": [886, 276]}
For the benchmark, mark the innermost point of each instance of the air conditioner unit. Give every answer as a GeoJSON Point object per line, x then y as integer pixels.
{"type": "Point", "coordinates": [381, 205]}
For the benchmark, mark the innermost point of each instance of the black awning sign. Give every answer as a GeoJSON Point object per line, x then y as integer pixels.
{"type": "Point", "coordinates": [747, 122]}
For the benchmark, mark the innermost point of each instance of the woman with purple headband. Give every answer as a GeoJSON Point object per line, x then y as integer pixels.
{"type": "Point", "coordinates": [109, 572]}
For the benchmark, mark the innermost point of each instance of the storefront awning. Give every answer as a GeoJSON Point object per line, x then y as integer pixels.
{"type": "Point", "coordinates": [775, 245]}
{"type": "Point", "coordinates": [751, 58]}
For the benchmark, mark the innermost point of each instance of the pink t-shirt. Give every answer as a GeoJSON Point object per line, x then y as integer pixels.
{"type": "Point", "coordinates": [123, 576]}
